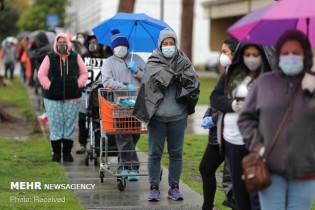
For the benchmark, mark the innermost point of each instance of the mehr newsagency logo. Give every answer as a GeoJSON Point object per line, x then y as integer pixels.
{"type": "Point", "coordinates": [49, 186]}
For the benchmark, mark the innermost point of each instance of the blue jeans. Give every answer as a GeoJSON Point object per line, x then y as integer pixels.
{"type": "Point", "coordinates": [173, 132]}
{"type": "Point", "coordinates": [287, 194]}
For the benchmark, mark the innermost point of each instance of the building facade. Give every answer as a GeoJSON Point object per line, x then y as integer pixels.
{"type": "Point", "coordinates": [223, 13]}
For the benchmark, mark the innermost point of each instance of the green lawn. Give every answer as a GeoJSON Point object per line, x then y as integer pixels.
{"type": "Point", "coordinates": [29, 161]}
{"type": "Point", "coordinates": [206, 86]}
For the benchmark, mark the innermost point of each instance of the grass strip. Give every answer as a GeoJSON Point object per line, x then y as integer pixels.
{"type": "Point", "coordinates": [30, 161]}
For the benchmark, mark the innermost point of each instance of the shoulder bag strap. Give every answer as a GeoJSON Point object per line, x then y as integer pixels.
{"type": "Point", "coordinates": [284, 118]}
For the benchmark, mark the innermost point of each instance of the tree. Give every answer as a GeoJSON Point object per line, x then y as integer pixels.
{"type": "Point", "coordinates": [187, 27]}
{"type": "Point", "coordinates": [35, 17]}
{"type": "Point", "coordinates": [9, 16]}
{"type": "Point", "coordinates": [126, 6]}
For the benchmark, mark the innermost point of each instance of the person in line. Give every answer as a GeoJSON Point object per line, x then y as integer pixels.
{"type": "Point", "coordinates": [93, 60]}
{"type": "Point", "coordinates": [248, 63]}
{"type": "Point", "coordinates": [213, 156]}
{"type": "Point", "coordinates": [39, 47]}
{"type": "Point", "coordinates": [292, 160]}
{"type": "Point", "coordinates": [169, 93]}
{"type": "Point", "coordinates": [83, 46]}
{"type": "Point", "coordinates": [9, 59]}
{"type": "Point", "coordinates": [124, 71]}
{"type": "Point", "coordinates": [62, 74]}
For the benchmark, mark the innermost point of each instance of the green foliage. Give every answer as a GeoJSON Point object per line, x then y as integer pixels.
{"type": "Point", "coordinates": [35, 18]}
{"type": "Point", "coordinates": [8, 18]}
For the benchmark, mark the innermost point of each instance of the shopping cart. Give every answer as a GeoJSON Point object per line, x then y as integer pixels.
{"type": "Point", "coordinates": [116, 107]}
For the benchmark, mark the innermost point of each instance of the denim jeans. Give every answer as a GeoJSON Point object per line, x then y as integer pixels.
{"type": "Point", "coordinates": [173, 132]}
{"type": "Point", "coordinates": [287, 194]}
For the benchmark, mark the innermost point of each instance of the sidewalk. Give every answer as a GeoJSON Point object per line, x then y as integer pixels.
{"type": "Point", "coordinates": [106, 195]}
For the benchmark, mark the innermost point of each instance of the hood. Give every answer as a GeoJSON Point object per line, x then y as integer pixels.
{"type": "Point", "coordinates": [165, 33]}
{"type": "Point", "coordinates": [66, 37]}
{"type": "Point", "coordinates": [41, 39]}
{"type": "Point", "coordinates": [267, 52]}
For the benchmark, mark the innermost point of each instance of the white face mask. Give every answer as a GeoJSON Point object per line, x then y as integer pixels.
{"type": "Point", "coordinates": [252, 63]}
{"type": "Point", "coordinates": [81, 40]}
{"type": "Point", "coordinates": [225, 60]}
{"type": "Point", "coordinates": [120, 51]}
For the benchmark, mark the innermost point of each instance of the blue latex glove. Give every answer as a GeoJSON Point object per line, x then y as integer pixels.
{"type": "Point", "coordinates": [133, 67]}
{"type": "Point", "coordinates": [207, 122]}
{"type": "Point", "coordinates": [131, 87]}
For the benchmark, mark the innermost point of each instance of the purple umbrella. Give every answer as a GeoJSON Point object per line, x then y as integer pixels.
{"type": "Point", "coordinates": [265, 25]}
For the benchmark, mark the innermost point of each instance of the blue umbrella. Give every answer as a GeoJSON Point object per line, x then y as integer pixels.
{"type": "Point", "coordinates": [141, 30]}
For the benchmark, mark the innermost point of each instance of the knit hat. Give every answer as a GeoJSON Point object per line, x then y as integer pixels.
{"type": "Point", "coordinates": [166, 33]}
{"type": "Point", "coordinates": [118, 39]}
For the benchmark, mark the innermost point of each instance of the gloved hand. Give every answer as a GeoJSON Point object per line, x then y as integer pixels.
{"type": "Point", "coordinates": [133, 67]}
{"type": "Point", "coordinates": [237, 105]}
{"type": "Point", "coordinates": [308, 83]}
{"type": "Point", "coordinates": [131, 87]}
{"type": "Point", "coordinates": [207, 122]}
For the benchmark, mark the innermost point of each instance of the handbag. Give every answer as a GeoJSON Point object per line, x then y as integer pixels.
{"type": "Point", "coordinates": [255, 171]}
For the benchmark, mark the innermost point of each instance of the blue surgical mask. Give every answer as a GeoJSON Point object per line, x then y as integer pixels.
{"type": "Point", "coordinates": [291, 65]}
{"type": "Point", "coordinates": [168, 51]}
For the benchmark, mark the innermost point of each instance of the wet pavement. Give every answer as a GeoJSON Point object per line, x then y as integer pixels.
{"type": "Point", "coordinates": [106, 195]}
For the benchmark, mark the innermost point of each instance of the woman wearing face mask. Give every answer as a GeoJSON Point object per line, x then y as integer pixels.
{"type": "Point", "coordinates": [213, 157]}
{"type": "Point", "coordinates": [169, 92]}
{"type": "Point", "coordinates": [248, 63]}
{"type": "Point", "coordinates": [62, 74]}
{"type": "Point", "coordinates": [292, 160]}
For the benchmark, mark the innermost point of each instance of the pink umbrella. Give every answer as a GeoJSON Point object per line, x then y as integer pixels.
{"type": "Point", "coordinates": [265, 25]}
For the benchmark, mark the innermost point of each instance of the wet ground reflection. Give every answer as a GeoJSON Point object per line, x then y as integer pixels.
{"type": "Point", "coordinates": [194, 121]}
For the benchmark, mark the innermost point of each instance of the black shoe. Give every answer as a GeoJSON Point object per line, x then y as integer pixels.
{"type": "Point", "coordinates": [230, 202]}
{"type": "Point", "coordinates": [81, 150]}
{"type": "Point", "coordinates": [56, 146]}
{"type": "Point", "coordinates": [67, 146]}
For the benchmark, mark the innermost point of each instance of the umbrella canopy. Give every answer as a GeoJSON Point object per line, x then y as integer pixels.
{"type": "Point", "coordinates": [10, 39]}
{"type": "Point", "coordinates": [141, 30]}
{"type": "Point", "coordinates": [265, 25]}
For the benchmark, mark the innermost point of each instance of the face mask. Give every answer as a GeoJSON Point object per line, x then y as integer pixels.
{"type": "Point", "coordinates": [291, 65]}
{"type": "Point", "coordinates": [252, 62]}
{"type": "Point", "coordinates": [168, 51]}
{"type": "Point", "coordinates": [93, 47]}
{"type": "Point", "coordinates": [81, 40]}
{"type": "Point", "coordinates": [62, 48]}
{"type": "Point", "coordinates": [120, 51]}
{"type": "Point", "coordinates": [225, 60]}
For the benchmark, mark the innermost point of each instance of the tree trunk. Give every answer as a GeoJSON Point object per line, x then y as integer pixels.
{"type": "Point", "coordinates": [126, 6]}
{"type": "Point", "coordinates": [187, 27]}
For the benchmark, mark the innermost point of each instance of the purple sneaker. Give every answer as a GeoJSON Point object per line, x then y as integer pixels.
{"type": "Point", "coordinates": [154, 194]}
{"type": "Point", "coordinates": [174, 193]}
